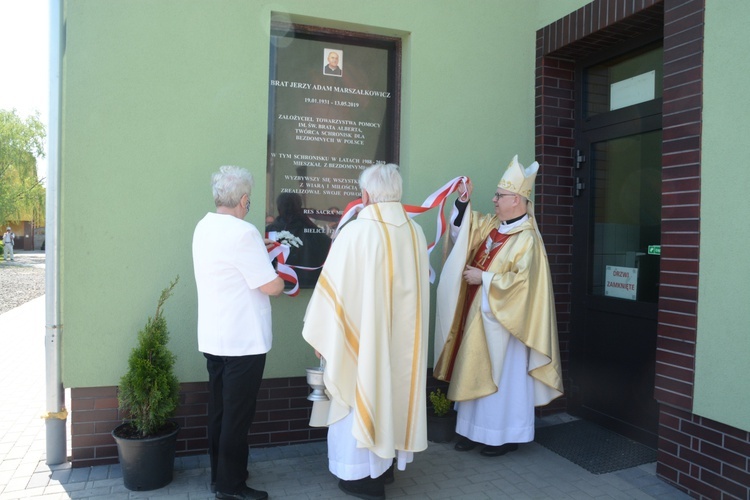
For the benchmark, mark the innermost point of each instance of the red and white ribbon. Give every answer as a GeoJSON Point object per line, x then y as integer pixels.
{"type": "Point", "coordinates": [281, 253]}
{"type": "Point", "coordinates": [436, 199]}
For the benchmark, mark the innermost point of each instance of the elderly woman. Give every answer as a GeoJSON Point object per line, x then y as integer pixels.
{"type": "Point", "coordinates": [235, 278]}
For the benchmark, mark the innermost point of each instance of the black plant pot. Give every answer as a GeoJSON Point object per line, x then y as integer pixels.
{"type": "Point", "coordinates": [441, 429]}
{"type": "Point", "coordinates": [147, 463]}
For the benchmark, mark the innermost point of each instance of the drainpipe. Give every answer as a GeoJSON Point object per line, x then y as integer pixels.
{"type": "Point", "coordinates": [56, 415]}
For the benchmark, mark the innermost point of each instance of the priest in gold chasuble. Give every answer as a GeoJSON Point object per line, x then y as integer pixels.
{"type": "Point", "coordinates": [496, 328]}
{"type": "Point", "coordinates": [368, 318]}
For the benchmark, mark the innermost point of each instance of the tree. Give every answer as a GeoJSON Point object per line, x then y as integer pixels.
{"type": "Point", "coordinates": [22, 195]}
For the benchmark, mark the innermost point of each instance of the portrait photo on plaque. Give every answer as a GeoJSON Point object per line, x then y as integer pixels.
{"type": "Point", "coordinates": [334, 60]}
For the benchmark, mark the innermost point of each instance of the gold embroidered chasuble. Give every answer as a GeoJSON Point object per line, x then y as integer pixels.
{"type": "Point", "coordinates": [368, 317]}
{"type": "Point", "coordinates": [520, 298]}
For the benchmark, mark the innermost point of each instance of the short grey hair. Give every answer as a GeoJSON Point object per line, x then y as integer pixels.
{"type": "Point", "coordinates": [229, 184]}
{"type": "Point", "coordinates": [382, 182]}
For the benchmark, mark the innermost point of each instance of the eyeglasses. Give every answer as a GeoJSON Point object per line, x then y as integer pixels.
{"type": "Point", "coordinates": [500, 195]}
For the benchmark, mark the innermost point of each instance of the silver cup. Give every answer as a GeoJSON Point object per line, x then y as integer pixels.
{"type": "Point", "coordinates": [315, 381]}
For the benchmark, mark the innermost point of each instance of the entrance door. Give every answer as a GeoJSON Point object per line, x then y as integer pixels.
{"type": "Point", "coordinates": [617, 227]}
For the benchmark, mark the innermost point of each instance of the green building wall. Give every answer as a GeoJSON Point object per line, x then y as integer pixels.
{"type": "Point", "coordinates": [722, 379]}
{"type": "Point", "coordinates": [158, 95]}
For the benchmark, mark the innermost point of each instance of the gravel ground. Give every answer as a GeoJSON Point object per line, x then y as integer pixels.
{"type": "Point", "coordinates": [21, 280]}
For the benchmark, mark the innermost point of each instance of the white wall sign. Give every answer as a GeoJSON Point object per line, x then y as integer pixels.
{"type": "Point", "coordinates": [621, 282]}
{"type": "Point", "coordinates": [640, 88]}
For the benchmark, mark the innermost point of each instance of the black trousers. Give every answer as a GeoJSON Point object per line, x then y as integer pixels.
{"type": "Point", "coordinates": [233, 383]}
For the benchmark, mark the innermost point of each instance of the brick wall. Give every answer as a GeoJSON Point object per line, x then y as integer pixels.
{"type": "Point", "coordinates": [705, 458]}
{"type": "Point", "coordinates": [681, 170]}
{"type": "Point", "coordinates": [702, 457]}
{"type": "Point", "coordinates": [281, 418]}
{"type": "Point", "coordinates": [555, 149]}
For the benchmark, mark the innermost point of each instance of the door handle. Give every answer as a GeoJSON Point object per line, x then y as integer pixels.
{"type": "Point", "coordinates": [579, 186]}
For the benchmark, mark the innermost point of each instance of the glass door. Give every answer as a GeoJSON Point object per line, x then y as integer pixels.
{"type": "Point", "coordinates": [616, 243]}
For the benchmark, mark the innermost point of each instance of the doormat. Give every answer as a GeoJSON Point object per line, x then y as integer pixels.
{"type": "Point", "coordinates": [592, 447]}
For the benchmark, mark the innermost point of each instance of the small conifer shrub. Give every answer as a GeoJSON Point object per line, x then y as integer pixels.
{"type": "Point", "coordinates": [149, 391]}
{"type": "Point", "coordinates": [441, 405]}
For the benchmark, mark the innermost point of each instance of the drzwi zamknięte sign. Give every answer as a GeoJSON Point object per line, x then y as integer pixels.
{"type": "Point", "coordinates": [621, 282]}
{"type": "Point", "coordinates": [333, 111]}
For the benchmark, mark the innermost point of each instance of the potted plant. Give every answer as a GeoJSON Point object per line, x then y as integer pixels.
{"type": "Point", "coordinates": [148, 395]}
{"type": "Point", "coordinates": [441, 419]}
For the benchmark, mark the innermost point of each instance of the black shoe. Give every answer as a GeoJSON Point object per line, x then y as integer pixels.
{"type": "Point", "coordinates": [213, 484]}
{"type": "Point", "coordinates": [465, 444]}
{"type": "Point", "coordinates": [498, 451]}
{"type": "Point", "coordinates": [243, 494]}
{"type": "Point", "coordinates": [366, 488]}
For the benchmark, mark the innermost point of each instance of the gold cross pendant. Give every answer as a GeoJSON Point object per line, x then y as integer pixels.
{"type": "Point", "coordinates": [483, 259]}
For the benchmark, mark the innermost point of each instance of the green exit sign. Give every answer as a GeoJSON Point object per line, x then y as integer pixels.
{"type": "Point", "coordinates": [654, 249]}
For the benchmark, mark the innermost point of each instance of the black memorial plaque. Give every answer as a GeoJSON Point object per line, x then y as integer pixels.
{"type": "Point", "coordinates": [333, 111]}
